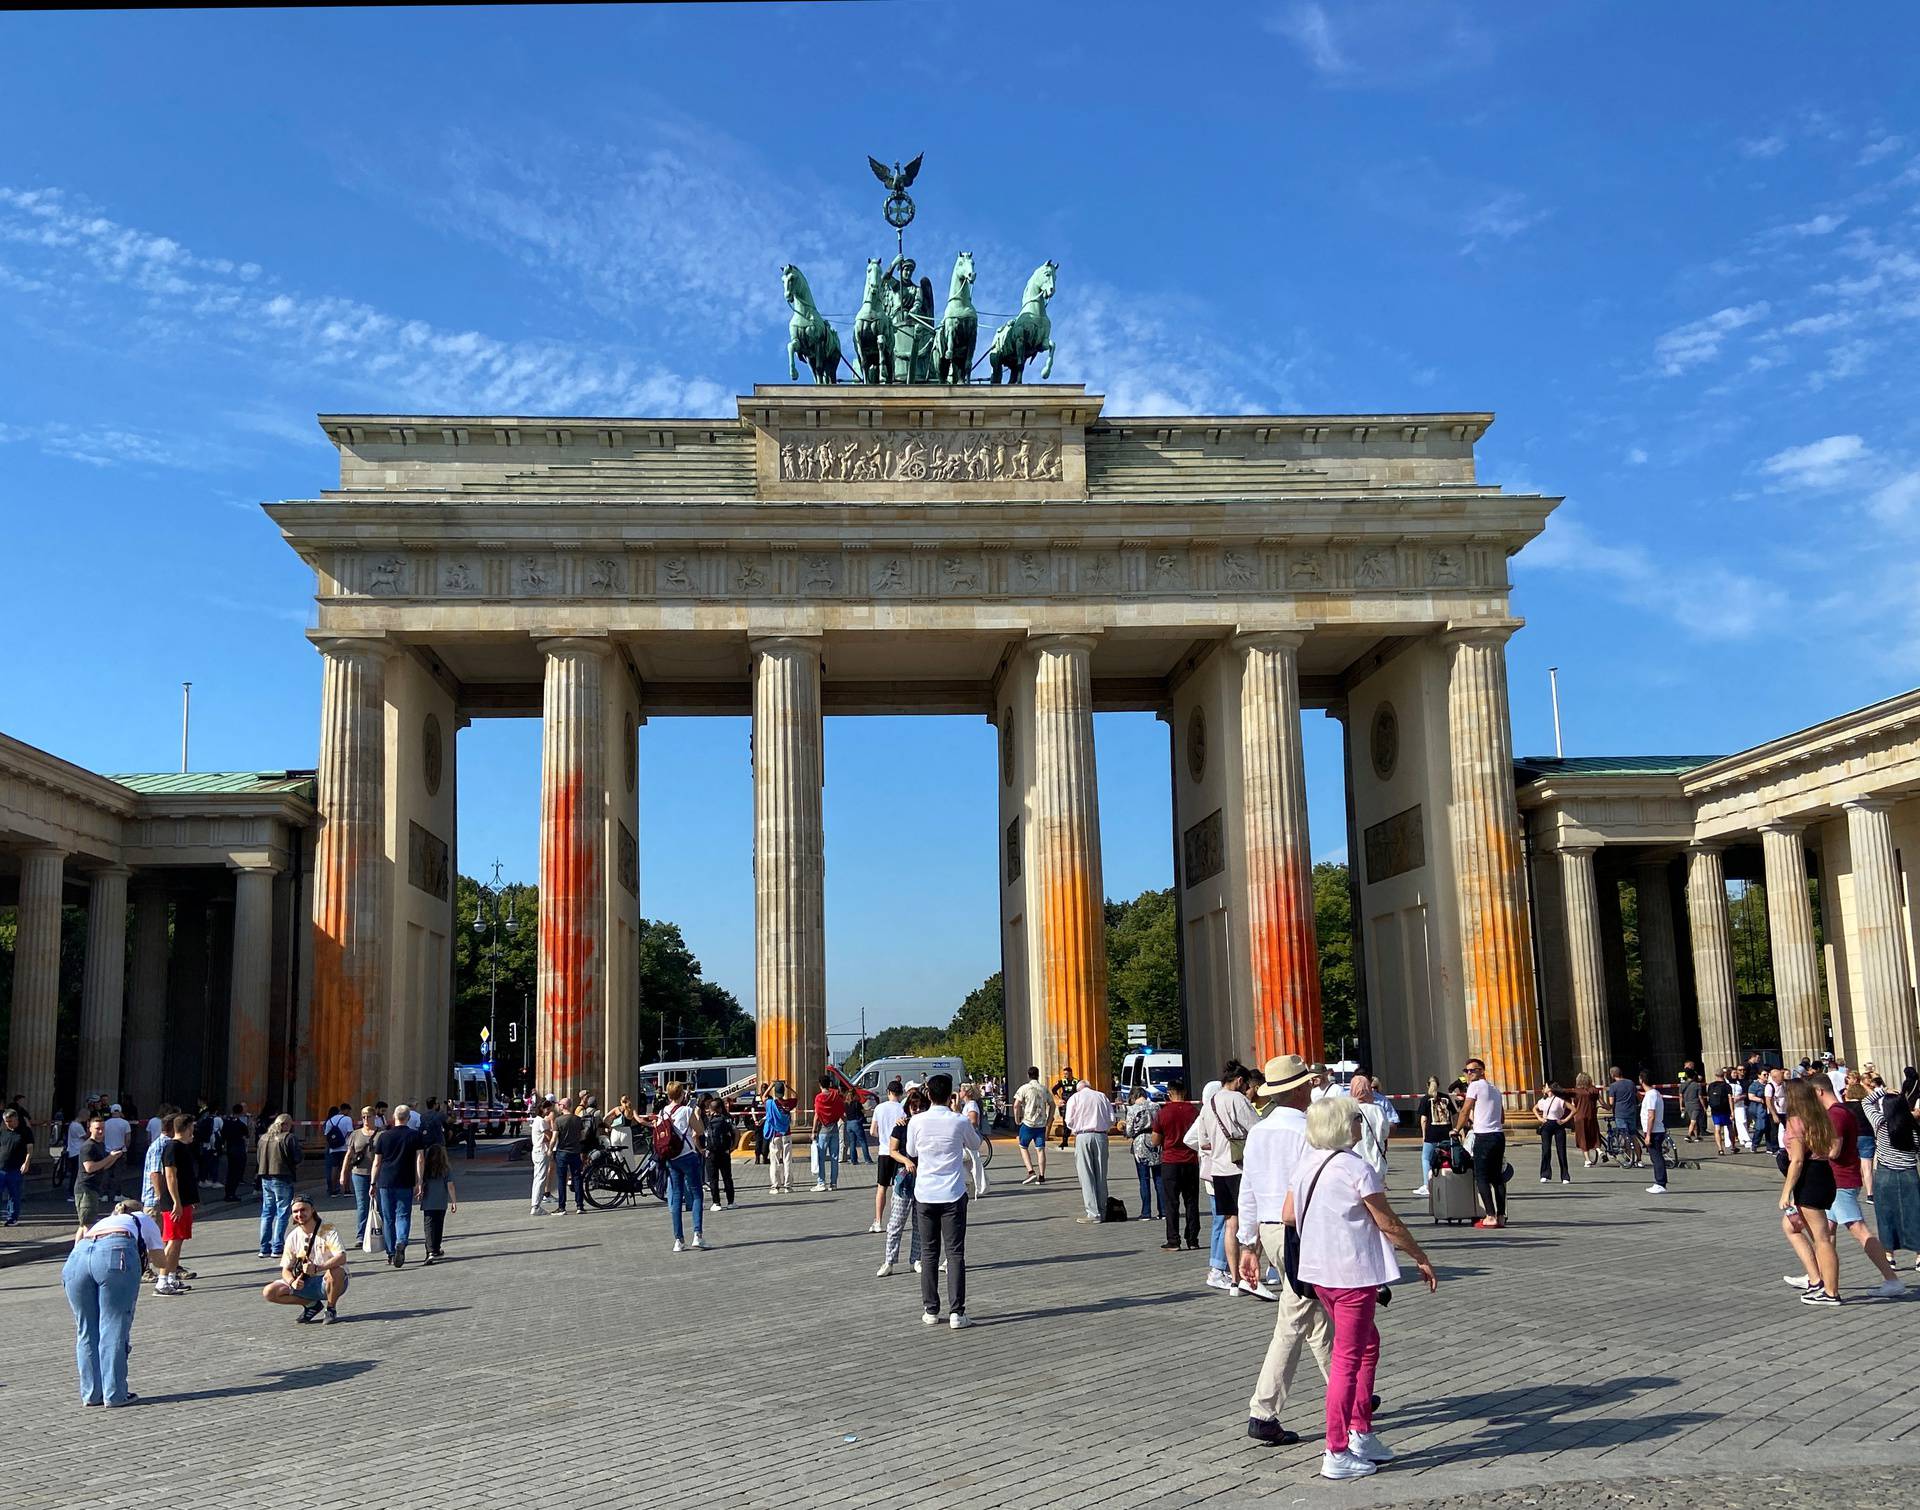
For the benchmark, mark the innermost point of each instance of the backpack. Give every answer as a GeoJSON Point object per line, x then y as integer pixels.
{"type": "Point", "coordinates": [335, 1138]}
{"type": "Point", "coordinates": [667, 1142]}
{"type": "Point", "coordinates": [1116, 1209]}
{"type": "Point", "coordinates": [720, 1134]}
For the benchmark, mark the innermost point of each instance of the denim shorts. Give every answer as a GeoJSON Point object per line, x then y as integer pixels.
{"type": "Point", "coordinates": [1032, 1135]}
{"type": "Point", "coordinates": [1845, 1207]}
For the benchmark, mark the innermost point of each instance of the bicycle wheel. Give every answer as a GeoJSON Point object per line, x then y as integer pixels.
{"type": "Point", "coordinates": [604, 1183]}
{"type": "Point", "coordinates": [1633, 1153]}
{"type": "Point", "coordinates": [986, 1153]}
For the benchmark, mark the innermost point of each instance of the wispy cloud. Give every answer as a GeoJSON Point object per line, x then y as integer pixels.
{"type": "Point", "coordinates": [1699, 341]}
{"type": "Point", "coordinates": [187, 298]}
{"type": "Point", "coordinates": [1707, 599]}
{"type": "Point", "coordinates": [1501, 217]}
{"type": "Point", "coordinates": [1636, 456]}
{"type": "Point", "coordinates": [1819, 225]}
{"type": "Point", "coordinates": [1879, 147]}
{"type": "Point", "coordinates": [1376, 43]}
{"type": "Point", "coordinates": [1762, 147]}
{"type": "Point", "coordinates": [109, 447]}
{"type": "Point", "coordinates": [1825, 463]}
{"type": "Point", "coordinates": [1310, 30]}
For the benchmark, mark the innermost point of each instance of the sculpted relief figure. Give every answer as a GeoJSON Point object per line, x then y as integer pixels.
{"type": "Point", "coordinates": [673, 572]}
{"type": "Point", "coordinates": [961, 574]}
{"type": "Point", "coordinates": [924, 456]}
{"type": "Point", "coordinates": [1239, 570]}
{"type": "Point", "coordinates": [384, 575]}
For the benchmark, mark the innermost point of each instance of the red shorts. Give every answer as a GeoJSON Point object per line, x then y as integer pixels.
{"type": "Point", "coordinates": [177, 1226]}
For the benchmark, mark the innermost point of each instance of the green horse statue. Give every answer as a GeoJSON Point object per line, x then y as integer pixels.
{"type": "Point", "coordinates": [959, 326]}
{"type": "Point", "coordinates": [1028, 333]}
{"type": "Point", "coordinates": [809, 337]}
{"type": "Point", "coordinates": [873, 327]}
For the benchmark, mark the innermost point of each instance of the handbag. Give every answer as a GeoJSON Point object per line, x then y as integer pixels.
{"type": "Point", "coordinates": [367, 1242]}
{"type": "Point", "coordinates": [1290, 1242]}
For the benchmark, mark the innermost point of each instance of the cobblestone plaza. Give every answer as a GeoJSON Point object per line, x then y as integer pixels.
{"type": "Point", "coordinates": [1601, 1340]}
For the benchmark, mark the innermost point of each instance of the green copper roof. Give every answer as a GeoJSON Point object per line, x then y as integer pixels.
{"type": "Point", "coordinates": [1532, 767]}
{"type": "Point", "coordinates": [218, 783]}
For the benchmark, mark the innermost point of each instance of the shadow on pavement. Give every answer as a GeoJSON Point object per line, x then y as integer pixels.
{"type": "Point", "coordinates": [308, 1376]}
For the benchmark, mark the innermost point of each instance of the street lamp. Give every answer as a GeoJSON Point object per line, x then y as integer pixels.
{"type": "Point", "coordinates": [487, 920]}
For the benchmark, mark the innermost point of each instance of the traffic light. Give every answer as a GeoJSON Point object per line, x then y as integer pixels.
{"type": "Point", "coordinates": [513, 1032]}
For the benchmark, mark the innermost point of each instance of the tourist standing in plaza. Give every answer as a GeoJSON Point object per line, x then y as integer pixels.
{"type": "Point", "coordinates": [1089, 1117]}
{"type": "Point", "coordinates": [1347, 1233]}
{"type": "Point", "coordinates": [1896, 1206]}
{"type": "Point", "coordinates": [1484, 1114]}
{"type": "Point", "coordinates": [1227, 1118]}
{"type": "Point", "coordinates": [438, 1196]}
{"type": "Point", "coordinates": [93, 1179]}
{"type": "Point", "coordinates": [1554, 1115]}
{"type": "Point", "coordinates": [16, 1148]}
{"type": "Point", "coordinates": [337, 1129]}
{"type": "Point", "coordinates": [1620, 1098]}
{"type": "Point", "coordinates": [1062, 1088]}
{"type": "Point", "coordinates": [1438, 1112]}
{"type": "Point", "coordinates": [677, 1130]}
{"type": "Point", "coordinates": [777, 1126]}
{"type": "Point", "coordinates": [279, 1167]}
{"type": "Point", "coordinates": [540, 1151]}
{"type": "Point", "coordinates": [1585, 1117]}
{"type": "Point", "coordinates": [356, 1169]}
{"type": "Point", "coordinates": [1377, 1121]}
{"type": "Point", "coordinates": [1807, 1195]}
{"type": "Point", "coordinates": [1032, 1112]}
{"type": "Point", "coordinates": [1146, 1157]}
{"type": "Point", "coordinates": [1693, 1107]}
{"type": "Point", "coordinates": [119, 1139]}
{"type": "Point", "coordinates": [1848, 1180]}
{"type": "Point", "coordinates": [719, 1137]}
{"type": "Point", "coordinates": [1737, 1099]}
{"type": "Point", "coordinates": [853, 1131]}
{"type": "Point", "coordinates": [976, 1158]}
{"type": "Point", "coordinates": [180, 1182]}
{"type": "Point", "coordinates": [1179, 1166]}
{"type": "Point", "coordinates": [901, 1215]}
{"type": "Point", "coordinates": [313, 1268]}
{"type": "Point", "coordinates": [936, 1142]}
{"type": "Point", "coordinates": [1653, 1130]}
{"type": "Point", "coordinates": [1272, 1154]}
{"type": "Point", "coordinates": [567, 1167]}
{"type": "Point", "coordinates": [235, 1130]}
{"type": "Point", "coordinates": [102, 1281]}
{"type": "Point", "coordinates": [399, 1178]}
{"type": "Point", "coordinates": [1720, 1114]}
{"type": "Point", "coordinates": [886, 1117]}
{"type": "Point", "coordinates": [829, 1109]}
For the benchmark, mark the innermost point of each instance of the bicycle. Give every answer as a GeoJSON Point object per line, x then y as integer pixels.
{"type": "Point", "coordinates": [1624, 1147]}
{"type": "Point", "coordinates": [619, 1176]}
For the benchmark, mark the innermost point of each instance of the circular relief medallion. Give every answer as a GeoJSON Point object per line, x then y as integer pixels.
{"type": "Point", "coordinates": [1006, 746]}
{"type": "Point", "coordinates": [432, 753]}
{"type": "Point", "coordinates": [1383, 741]}
{"type": "Point", "coordinates": [1197, 743]}
{"type": "Point", "coordinates": [632, 747]}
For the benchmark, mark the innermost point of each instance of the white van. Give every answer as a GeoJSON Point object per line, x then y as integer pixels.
{"type": "Point", "coordinates": [1150, 1070]}
{"type": "Point", "coordinates": [873, 1077]}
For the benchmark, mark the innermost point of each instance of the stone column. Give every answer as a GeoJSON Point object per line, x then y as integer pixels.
{"type": "Point", "coordinates": [1886, 986]}
{"type": "Point", "coordinates": [1796, 963]}
{"type": "Point", "coordinates": [103, 990]}
{"type": "Point", "coordinates": [1484, 823]}
{"type": "Point", "coordinates": [1586, 961]}
{"type": "Point", "coordinates": [1065, 852]}
{"type": "Point", "coordinates": [569, 1029]}
{"type": "Point", "coordinates": [147, 1000]}
{"type": "Point", "coordinates": [350, 876]}
{"type": "Point", "coordinates": [1712, 958]}
{"type": "Point", "coordinates": [252, 985]}
{"type": "Point", "coordinates": [1659, 967]}
{"type": "Point", "coordinates": [36, 979]}
{"type": "Point", "coordinates": [1284, 959]}
{"type": "Point", "coordinates": [789, 863]}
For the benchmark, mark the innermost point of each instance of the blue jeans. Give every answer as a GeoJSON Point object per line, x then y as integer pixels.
{"type": "Point", "coordinates": [1427, 1151]}
{"type": "Point", "coordinates": [568, 1170]}
{"type": "Point", "coordinates": [1217, 1257]}
{"type": "Point", "coordinates": [102, 1281]}
{"type": "Point", "coordinates": [826, 1157]}
{"type": "Point", "coordinates": [362, 1197]}
{"type": "Point", "coordinates": [396, 1215]}
{"type": "Point", "coordinates": [683, 1191]}
{"type": "Point", "coordinates": [857, 1142]}
{"type": "Point", "coordinates": [12, 1187]}
{"type": "Point", "coordinates": [276, 1205]}
{"type": "Point", "coordinates": [1149, 1189]}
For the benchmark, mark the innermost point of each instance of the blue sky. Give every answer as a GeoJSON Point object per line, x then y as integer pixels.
{"type": "Point", "coordinates": [1675, 249]}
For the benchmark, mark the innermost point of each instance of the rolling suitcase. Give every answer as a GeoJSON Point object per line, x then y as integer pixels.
{"type": "Point", "coordinates": [1450, 1196]}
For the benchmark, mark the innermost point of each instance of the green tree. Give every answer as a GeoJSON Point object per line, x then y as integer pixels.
{"type": "Point", "coordinates": [1333, 931]}
{"type": "Point", "coordinates": [477, 953]}
{"type": "Point", "coordinates": [1143, 971]}
{"type": "Point", "coordinates": [682, 1014]}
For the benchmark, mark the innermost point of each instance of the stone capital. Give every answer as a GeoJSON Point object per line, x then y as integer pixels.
{"type": "Point", "coordinates": [41, 852]}
{"type": "Point", "coordinates": [1049, 640]}
{"type": "Point", "coordinates": [1868, 805]}
{"type": "Point", "coordinates": [107, 872]}
{"type": "Point", "coordinates": [344, 646]}
{"type": "Point", "coordinates": [1785, 826]}
{"type": "Point", "coordinates": [1579, 851]}
{"type": "Point", "coordinates": [255, 863]}
{"type": "Point", "coordinates": [1706, 847]}
{"type": "Point", "coordinates": [1247, 640]}
{"type": "Point", "coordinates": [805, 642]}
{"type": "Point", "coordinates": [1494, 632]}
{"type": "Point", "coordinates": [574, 644]}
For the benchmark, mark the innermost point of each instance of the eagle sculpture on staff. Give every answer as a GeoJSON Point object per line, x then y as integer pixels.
{"type": "Point", "coordinates": [897, 179]}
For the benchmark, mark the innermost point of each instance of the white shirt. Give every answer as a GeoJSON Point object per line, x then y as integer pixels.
{"type": "Point", "coordinates": [936, 1140]}
{"type": "Point", "coordinates": [1489, 1112]}
{"type": "Point", "coordinates": [1373, 1136]}
{"type": "Point", "coordinates": [1229, 1115]}
{"type": "Point", "coordinates": [886, 1117]}
{"type": "Point", "coordinates": [118, 1131]}
{"type": "Point", "coordinates": [1653, 1113]}
{"type": "Point", "coordinates": [1837, 1077]}
{"type": "Point", "coordinates": [1340, 1246]}
{"type": "Point", "coordinates": [153, 1129]}
{"type": "Point", "coordinates": [413, 1119]}
{"type": "Point", "coordinates": [1088, 1111]}
{"type": "Point", "coordinates": [76, 1135]}
{"type": "Point", "coordinates": [1273, 1150]}
{"type": "Point", "coordinates": [138, 1224]}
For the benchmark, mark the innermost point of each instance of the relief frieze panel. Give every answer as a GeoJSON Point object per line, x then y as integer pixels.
{"type": "Point", "coordinates": [911, 456]}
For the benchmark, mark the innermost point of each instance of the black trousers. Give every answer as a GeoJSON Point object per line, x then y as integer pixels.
{"type": "Point", "coordinates": [719, 1169]}
{"type": "Point", "coordinates": [943, 1233]}
{"type": "Point", "coordinates": [436, 1229]}
{"type": "Point", "coordinates": [1489, 1159]}
{"type": "Point", "coordinates": [1657, 1151]}
{"type": "Point", "coordinates": [1181, 1182]}
{"type": "Point", "coordinates": [1553, 1135]}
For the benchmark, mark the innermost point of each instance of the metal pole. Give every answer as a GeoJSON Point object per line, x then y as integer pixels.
{"type": "Point", "coordinates": [186, 716]}
{"type": "Point", "coordinates": [1553, 681]}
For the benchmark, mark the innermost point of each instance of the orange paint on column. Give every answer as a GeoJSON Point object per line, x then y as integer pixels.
{"type": "Point", "coordinates": [1286, 967]}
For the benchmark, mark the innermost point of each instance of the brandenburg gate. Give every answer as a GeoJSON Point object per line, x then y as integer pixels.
{"type": "Point", "coordinates": [1005, 550]}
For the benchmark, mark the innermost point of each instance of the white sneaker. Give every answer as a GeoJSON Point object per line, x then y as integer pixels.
{"type": "Point", "coordinates": [883, 1271]}
{"type": "Point", "coordinates": [943, 1266]}
{"type": "Point", "coordinates": [697, 1242]}
{"type": "Point", "coordinates": [1656, 1190]}
{"type": "Point", "coordinates": [1343, 1465]}
{"type": "Point", "coordinates": [876, 1227]}
{"type": "Point", "coordinates": [1566, 1182]}
{"type": "Point", "coordinates": [1545, 1181]}
{"type": "Point", "coordinates": [928, 1318]}
{"type": "Point", "coordinates": [1364, 1444]}
{"type": "Point", "coordinates": [1259, 1291]}
{"type": "Point", "coordinates": [916, 1266]}
{"type": "Point", "coordinates": [715, 1206]}
{"type": "Point", "coordinates": [958, 1320]}
{"type": "Point", "coordinates": [678, 1246]}
{"type": "Point", "coordinates": [1798, 1281]}
{"type": "Point", "coordinates": [1891, 1288]}
{"type": "Point", "coordinates": [1419, 1189]}
{"type": "Point", "coordinates": [1217, 1281]}
{"type": "Point", "coordinates": [818, 1188]}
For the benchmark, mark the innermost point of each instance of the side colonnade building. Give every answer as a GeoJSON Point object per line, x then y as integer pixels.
{"type": "Point", "coordinates": [1005, 552]}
